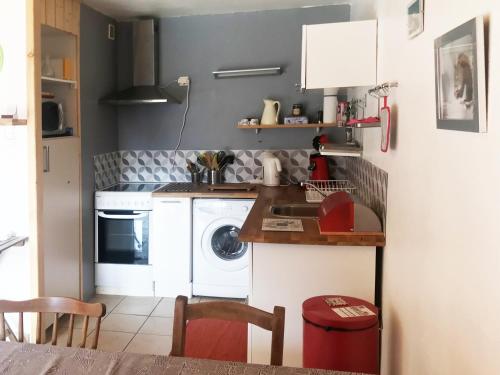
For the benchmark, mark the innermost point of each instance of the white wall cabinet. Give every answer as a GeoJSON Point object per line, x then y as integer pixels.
{"type": "Point", "coordinates": [339, 55]}
{"type": "Point", "coordinates": [61, 216]}
{"type": "Point", "coordinates": [171, 240]}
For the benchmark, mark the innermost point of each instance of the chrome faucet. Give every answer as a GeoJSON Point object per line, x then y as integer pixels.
{"type": "Point", "coordinates": [304, 184]}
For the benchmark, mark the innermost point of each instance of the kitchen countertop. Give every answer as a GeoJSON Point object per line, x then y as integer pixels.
{"type": "Point", "coordinates": [267, 196]}
{"type": "Point", "coordinates": [252, 232]}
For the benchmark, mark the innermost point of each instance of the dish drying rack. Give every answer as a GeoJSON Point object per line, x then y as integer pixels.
{"type": "Point", "coordinates": [314, 188]}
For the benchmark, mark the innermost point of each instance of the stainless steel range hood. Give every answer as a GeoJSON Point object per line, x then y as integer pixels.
{"type": "Point", "coordinates": [146, 88]}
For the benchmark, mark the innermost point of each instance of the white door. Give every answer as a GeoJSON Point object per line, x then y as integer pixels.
{"type": "Point", "coordinates": [170, 252]}
{"type": "Point", "coordinates": [340, 54]}
{"type": "Point", "coordinates": [61, 216]}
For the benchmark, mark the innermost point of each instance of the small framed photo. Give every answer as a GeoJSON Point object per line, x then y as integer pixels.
{"type": "Point", "coordinates": [415, 18]}
{"type": "Point", "coordinates": [461, 78]}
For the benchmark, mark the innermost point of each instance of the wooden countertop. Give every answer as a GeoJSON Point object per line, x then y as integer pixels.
{"type": "Point", "coordinates": [252, 232]}
{"type": "Point", "coordinates": [267, 196]}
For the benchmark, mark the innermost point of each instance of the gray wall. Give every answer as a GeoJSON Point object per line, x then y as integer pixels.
{"type": "Point", "coordinates": [198, 45]}
{"type": "Point", "coordinates": [99, 123]}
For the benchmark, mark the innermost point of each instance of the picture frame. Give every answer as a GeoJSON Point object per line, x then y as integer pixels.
{"type": "Point", "coordinates": [415, 13]}
{"type": "Point", "coordinates": [460, 78]}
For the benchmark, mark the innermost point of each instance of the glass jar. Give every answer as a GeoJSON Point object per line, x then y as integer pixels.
{"type": "Point", "coordinates": [297, 110]}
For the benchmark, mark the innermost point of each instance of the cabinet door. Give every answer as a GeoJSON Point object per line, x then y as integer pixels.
{"type": "Point", "coordinates": [61, 217]}
{"type": "Point", "coordinates": [75, 22]}
{"type": "Point", "coordinates": [68, 16]}
{"type": "Point", "coordinates": [43, 5]}
{"type": "Point", "coordinates": [60, 14]}
{"type": "Point", "coordinates": [340, 54]}
{"type": "Point", "coordinates": [171, 238]}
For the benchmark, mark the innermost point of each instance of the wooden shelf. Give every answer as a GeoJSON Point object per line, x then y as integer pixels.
{"type": "Point", "coordinates": [331, 149]}
{"type": "Point", "coordinates": [59, 80]}
{"type": "Point", "coordinates": [12, 122]}
{"type": "Point", "coordinates": [257, 128]}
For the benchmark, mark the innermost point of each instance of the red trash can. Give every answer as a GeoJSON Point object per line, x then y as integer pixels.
{"type": "Point", "coordinates": [341, 333]}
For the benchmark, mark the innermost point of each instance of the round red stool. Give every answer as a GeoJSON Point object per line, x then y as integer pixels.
{"type": "Point", "coordinates": [341, 333]}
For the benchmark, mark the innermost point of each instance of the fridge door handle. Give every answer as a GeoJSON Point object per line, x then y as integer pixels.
{"type": "Point", "coordinates": [46, 159]}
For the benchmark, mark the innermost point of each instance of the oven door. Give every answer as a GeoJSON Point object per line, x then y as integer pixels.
{"type": "Point", "coordinates": [122, 237]}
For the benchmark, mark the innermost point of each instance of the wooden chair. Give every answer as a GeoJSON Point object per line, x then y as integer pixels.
{"type": "Point", "coordinates": [56, 305]}
{"type": "Point", "coordinates": [228, 311]}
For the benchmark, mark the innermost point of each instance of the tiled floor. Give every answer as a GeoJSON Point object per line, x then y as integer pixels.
{"type": "Point", "coordinates": [132, 324]}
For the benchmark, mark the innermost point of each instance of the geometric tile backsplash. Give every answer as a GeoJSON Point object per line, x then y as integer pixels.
{"type": "Point", "coordinates": [106, 169]}
{"type": "Point", "coordinates": [170, 166]}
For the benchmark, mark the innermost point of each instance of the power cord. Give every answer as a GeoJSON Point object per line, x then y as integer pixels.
{"type": "Point", "coordinates": [184, 118]}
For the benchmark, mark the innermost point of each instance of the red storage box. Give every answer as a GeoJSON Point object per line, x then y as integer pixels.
{"type": "Point", "coordinates": [342, 335]}
{"type": "Point", "coordinates": [336, 214]}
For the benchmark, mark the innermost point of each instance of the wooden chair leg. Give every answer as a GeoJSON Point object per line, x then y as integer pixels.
{"type": "Point", "coordinates": [2, 327]}
{"type": "Point", "coordinates": [39, 328]}
{"type": "Point", "coordinates": [277, 337]}
{"type": "Point", "coordinates": [179, 331]}
{"type": "Point", "coordinates": [69, 342]}
{"type": "Point", "coordinates": [54, 329]}
{"type": "Point", "coordinates": [84, 331]}
{"type": "Point", "coordinates": [96, 334]}
{"type": "Point", "coordinates": [20, 332]}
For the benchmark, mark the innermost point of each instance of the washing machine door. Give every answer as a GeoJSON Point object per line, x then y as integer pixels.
{"type": "Point", "coordinates": [221, 247]}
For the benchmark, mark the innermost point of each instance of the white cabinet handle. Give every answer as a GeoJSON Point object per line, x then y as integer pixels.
{"type": "Point", "coordinates": [171, 202]}
{"type": "Point", "coordinates": [46, 159]}
{"type": "Point", "coordinates": [122, 217]}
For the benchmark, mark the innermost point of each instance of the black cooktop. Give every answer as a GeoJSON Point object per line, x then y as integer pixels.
{"type": "Point", "coordinates": [135, 187]}
{"type": "Point", "coordinates": [177, 187]}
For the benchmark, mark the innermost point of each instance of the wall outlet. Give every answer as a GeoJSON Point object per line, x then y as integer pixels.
{"type": "Point", "coordinates": [183, 81]}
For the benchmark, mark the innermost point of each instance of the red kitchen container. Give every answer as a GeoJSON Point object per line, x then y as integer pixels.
{"type": "Point", "coordinates": [346, 339]}
{"type": "Point", "coordinates": [336, 214]}
{"type": "Point", "coordinates": [318, 165]}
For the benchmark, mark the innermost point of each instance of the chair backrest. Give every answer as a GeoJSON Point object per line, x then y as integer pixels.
{"type": "Point", "coordinates": [228, 311]}
{"type": "Point", "coordinates": [56, 305]}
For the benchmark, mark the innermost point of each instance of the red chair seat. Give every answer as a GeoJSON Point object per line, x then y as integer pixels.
{"type": "Point", "coordinates": [217, 339]}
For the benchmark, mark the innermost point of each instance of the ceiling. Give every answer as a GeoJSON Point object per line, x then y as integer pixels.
{"type": "Point", "coordinates": [126, 9]}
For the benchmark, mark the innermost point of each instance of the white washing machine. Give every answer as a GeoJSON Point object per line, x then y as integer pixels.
{"type": "Point", "coordinates": [220, 260]}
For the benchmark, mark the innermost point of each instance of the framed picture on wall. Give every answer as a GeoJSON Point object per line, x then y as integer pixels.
{"type": "Point", "coordinates": [415, 18]}
{"type": "Point", "coordinates": [461, 78]}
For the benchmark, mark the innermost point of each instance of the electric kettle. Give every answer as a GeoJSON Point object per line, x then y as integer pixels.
{"type": "Point", "coordinates": [271, 168]}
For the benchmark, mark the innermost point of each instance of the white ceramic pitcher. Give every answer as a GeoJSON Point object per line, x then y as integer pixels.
{"type": "Point", "coordinates": [271, 112]}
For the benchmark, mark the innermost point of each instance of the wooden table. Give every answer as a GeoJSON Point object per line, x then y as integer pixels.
{"type": "Point", "coordinates": [45, 359]}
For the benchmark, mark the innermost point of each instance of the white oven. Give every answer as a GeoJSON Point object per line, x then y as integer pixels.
{"type": "Point", "coordinates": [122, 239]}
{"type": "Point", "coordinates": [122, 236]}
